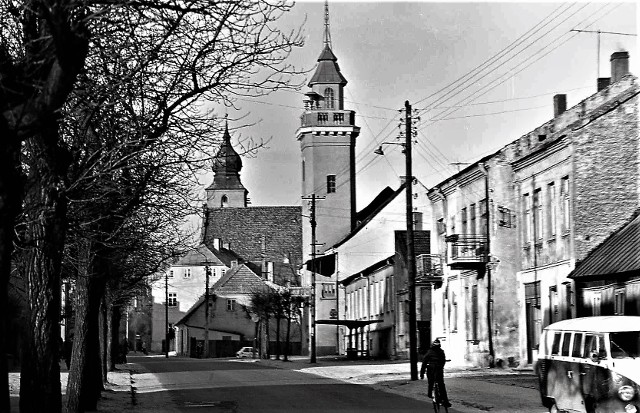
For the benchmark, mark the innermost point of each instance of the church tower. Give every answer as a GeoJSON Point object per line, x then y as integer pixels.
{"type": "Point", "coordinates": [327, 136]}
{"type": "Point", "coordinates": [226, 190]}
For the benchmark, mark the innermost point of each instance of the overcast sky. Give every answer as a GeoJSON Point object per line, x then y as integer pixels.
{"type": "Point", "coordinates": [522, 54]}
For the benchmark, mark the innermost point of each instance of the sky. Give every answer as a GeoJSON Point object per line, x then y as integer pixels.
{"type": "Point", "coordinates": [479, 74]}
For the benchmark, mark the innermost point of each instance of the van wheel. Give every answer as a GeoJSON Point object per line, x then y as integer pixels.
{"type": "Point", "coordinates": [554, 409]}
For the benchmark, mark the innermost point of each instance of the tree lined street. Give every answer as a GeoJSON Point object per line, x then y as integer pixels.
{"type": "Point", "coordinates": [231, 385]}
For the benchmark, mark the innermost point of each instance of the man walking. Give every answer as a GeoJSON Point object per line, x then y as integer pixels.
{"type": "Point", "coordinates": [433, 363]}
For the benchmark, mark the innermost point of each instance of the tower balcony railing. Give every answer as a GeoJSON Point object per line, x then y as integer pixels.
{"type": "Point", "coordinates": [429, 270]}
{"type": "Point", "coordinates": [466, 251]}
{"type": "Point", "coordinates": [328, 117]}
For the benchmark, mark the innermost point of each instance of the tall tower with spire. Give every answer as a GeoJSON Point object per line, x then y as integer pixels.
{"type": "Point", "coordinates": [226, 190]}
{"type": "Point", "coordinates": [327, 136]}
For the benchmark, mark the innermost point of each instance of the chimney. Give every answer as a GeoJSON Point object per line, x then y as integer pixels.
{"type": "Point", "coordinates": [619, 66]}
{"type": "Point", "coordinates": [216, 243]}
{"type": "Point", "coordinates": [559, 104]}
{"type": "Point", "coordinates": [226, 245]}
{"type": "Point", "coordinates": [603, 83]}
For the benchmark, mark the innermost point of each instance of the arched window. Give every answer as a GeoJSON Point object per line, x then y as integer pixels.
{"type": "Point", "coordinates": [328, 98]}
{"type": "Point", "coordinates": [224, 201]}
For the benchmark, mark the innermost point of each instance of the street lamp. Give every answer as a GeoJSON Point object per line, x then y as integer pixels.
{"type": "Point", "coordinates": [411, 255]}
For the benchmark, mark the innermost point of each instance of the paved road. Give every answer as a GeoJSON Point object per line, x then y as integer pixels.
{"type": "Point", "coordinates": [187, 385]}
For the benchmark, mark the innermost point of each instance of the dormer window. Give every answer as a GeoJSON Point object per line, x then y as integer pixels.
{"type": "Point", "coordinates": [224, 202]}
{"type": "Point", "coordinates": [329, 98]}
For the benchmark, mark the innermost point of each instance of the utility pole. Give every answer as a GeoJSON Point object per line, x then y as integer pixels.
{"type": "Point", "coordinates": [207, 271]}
{"type": "Point", "coordinates": [485, 170]}
{"type": "Point", "coordinates": [166, 314]}
{"type": "Point", "coordinates": [411, 255]}
{"type": "Point", "coordinates": [312, 353]}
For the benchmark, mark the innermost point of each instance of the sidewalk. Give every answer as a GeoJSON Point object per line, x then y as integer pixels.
{"type": "Point", "coordinates": [116, 397]}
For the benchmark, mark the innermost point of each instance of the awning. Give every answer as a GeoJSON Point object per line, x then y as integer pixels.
{"type": "Point", "coordinates": [351, 324]}
{"type": "Point", "coordinates": [323, 265]}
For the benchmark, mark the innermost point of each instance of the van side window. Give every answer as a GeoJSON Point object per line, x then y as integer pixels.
{"type": "Point", "coordinates": [555, 348]}
{"type": "Point", "coordinates": [594, 344]}
{"type": "Point", "coordinates": [565, 344]}
{"type": "Point", "coordinates": [577, 345]}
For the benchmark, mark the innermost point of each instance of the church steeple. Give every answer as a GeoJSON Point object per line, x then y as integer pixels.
{"type": "Point", "coordinates": [226, 190]}
{"type": "Point", "coordinates": [327, 137]}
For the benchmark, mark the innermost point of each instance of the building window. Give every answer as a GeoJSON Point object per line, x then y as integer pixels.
{"type": "Point", "coordinates": [331, 184]}
{"type": "Point", "coordinates": [474, 312]}
{"type": "Point", "coordinates": [566, 205]}
{"type": "Point", "coordinates": [537, 214]}
{"type": "Point", "coordinates": [329, 98]}
{"type": "Point", "coordinates": [504, 217]}
{"type": "Point", "coordinates": [170, 273]}
{"type": "Point", "coordinates": [484, 223]}
{"type": "Point", "coordinates": [441, 226]}
{"type": "Point", "coordinates": [173, 300]}
{"type": "Point", "coordinates": [328, 290]}
{"type": "Point", "coordinates": [454, 312]}
{"type": "Point", "coordinates": [224, 201]}
{"type": "Point", "coordinates": [554, 310]}
{"type": "Point", "coordinates": [526, 228]}
{"type": "Point", "coordinates": [472, 219]}
{"type": "Point", "coordinates": [463, 220]}
{"type": "Point", "coordinates": [231, 305]}
{"type": "Point", "coordinates": [551, 210]}
{"type": "Point", "coordinates": [568, 300]}
{"type": "Point", "coordinates": [596, 300]}
{"type": "Point", "coordinates": [187, 273]}
{"type": "Point", "coordinates": [303, 170]}
{"type": "Point", "coordinates": [618, 304]}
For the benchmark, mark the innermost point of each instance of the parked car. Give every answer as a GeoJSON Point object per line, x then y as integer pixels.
{"type": "Point", "coordinates": [245, 352]}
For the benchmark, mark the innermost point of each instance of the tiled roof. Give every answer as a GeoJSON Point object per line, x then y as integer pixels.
{"type": "Point", "coordinates": [245, 228]}
{"type": "Point", "coordinates": [239, 280]}
{"type": "Point", "coordinates": [620, 253]}
{"type": "Point", "coordinates": [202, 255]}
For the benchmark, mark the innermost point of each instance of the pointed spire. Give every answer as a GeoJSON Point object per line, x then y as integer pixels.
{"type": "Point", "coordinates": [327, 32]}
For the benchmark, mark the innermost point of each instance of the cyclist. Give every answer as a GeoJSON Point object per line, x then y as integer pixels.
{"type": "Point", "coordinates": [433, 363]}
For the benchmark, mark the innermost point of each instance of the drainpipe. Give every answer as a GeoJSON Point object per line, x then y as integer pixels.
{"type": "Point", "coordinates": [485, 171]}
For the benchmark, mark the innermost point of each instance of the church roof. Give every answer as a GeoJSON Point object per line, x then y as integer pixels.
{"type": "Point", "coordinates": [226, 165]}
{"type": "Point", "coordinates": [327, 70]}
{"type": "Point", "coordinates": [257, 233]}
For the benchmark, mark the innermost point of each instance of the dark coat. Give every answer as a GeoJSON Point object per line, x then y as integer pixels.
{"type": "Point", "coordinates": [435, 356]}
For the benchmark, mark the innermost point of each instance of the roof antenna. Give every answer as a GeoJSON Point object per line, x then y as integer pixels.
{"type": "Point", "coordinates": [327, 33]}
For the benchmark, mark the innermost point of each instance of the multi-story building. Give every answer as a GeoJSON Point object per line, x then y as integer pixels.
{"type": "Point", "coordinates": [513, 225]}
{"type": "Point", "coordinates": [577, 181]}
{"type": "Point", "coordinates": [475, 235]}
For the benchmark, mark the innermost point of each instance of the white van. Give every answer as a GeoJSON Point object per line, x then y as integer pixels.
{"type": "Point", "coordinates": [590, 365]}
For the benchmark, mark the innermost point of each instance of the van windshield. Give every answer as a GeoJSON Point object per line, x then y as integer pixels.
{"type": "Point", "coordinates": [625, 344]}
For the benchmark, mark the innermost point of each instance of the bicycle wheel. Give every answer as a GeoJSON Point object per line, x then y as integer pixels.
{"type": "Point", "coordinates": [436, 398]}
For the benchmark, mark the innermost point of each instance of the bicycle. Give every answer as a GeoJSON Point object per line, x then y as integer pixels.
{"type": "Point", "coordinates": [437, 402]}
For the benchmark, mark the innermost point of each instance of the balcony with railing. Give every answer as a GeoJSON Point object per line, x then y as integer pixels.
{"type": "Point", "coordinates": [429, 270]}
{"type": "Point", "coordinates": [466, 252]}
{"type": "Point", "coordinates": [320, 117]}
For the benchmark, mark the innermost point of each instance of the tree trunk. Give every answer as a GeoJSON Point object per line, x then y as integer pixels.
{"type": "Point", "coordinates": [278, 338]}
{"type": "Point", "coordinates": [287, 344]}
{"type": "Point", "coordinates": [117, 350]}
{"type": "Point", "coordinates": [104, 339]}
{"type": "Point", "coordinates": [44, 239]}
{"type": "Point", "coordinates": [85, 379]}
{"type": "Point", "coordinates": [11, 184]}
